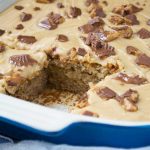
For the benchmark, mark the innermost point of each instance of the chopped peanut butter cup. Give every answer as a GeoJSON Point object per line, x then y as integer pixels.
{"type": "Point", "coordinates": [26, 39]}
{"type": "Point", "coordinates": [130, 79]}
{"type": "Point", "coordinates": [22, 60]}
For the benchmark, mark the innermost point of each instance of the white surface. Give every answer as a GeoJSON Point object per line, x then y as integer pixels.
{"type": "Point", "coordinates": [30, 145]}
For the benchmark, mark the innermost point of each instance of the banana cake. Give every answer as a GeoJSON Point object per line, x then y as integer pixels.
{"type": "Point", "coordinates": [99, 49]}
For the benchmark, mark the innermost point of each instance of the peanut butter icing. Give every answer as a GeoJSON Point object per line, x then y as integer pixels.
{"type": "Point", "coordinates": [124, 33]}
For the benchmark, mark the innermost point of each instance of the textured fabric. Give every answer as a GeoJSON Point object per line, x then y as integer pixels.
{"type": "Point", "coordinates": [37, 145]}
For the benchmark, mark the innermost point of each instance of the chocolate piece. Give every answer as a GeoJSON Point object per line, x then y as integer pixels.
{"type": "Point", "coordinates": [130, 79]}
{"type": "Point", "coordinates": [106, 93]}
{"type": "Point", "coordinates": [25, 17]}
{"type": "Point", "coordinates": [37, 8]}
{"type": "Point", "coordinates": [105, 3]}
{"type": "Point", "coordinates": [2, 32]}
{"type": "Point", "coordinates": [93, 40]}
{"type": "Point", "coordinates": [148, 22]}
{"type": "Point", "coordinates": [93, 25]}
{"type": "Point", "coordinates": [60, 5]}
{"type": "Point", "coordinates": [87, 28]}
{"type": "Point", "coordinates": [143, 60]}
{"type": "Point", "coordinates": [75, 12]}
{"type": "Point", "coordinates": [89, 2]}
{"type": "Point", "coordinates": [81, 52]}
{"type": "Point", "coordinates": [98, 12]}
{"type": "Point", "coordinates": [132, 50]}
{"type": "Point", "coordinates": [22, 60]}
{"type": "Point", "coordinates": [62, 38]}
{"type": "Point", "coordinates": [1, 76]}
{"type": "Point", "coordinates": [18, 7]}
{"type": "Point", "coordinates": [55, 18]}
{"type": "Point", "coordinates": [128, 100]}
{"type": "Point", "coordinates": [133, 19]}
{"type": "Point", "coordinates": [19, 27]}
{"type": "Point", "coordinates": [52, 21]}
{"type": "Point", "coordinates": [44, 1]}
{"type": "Point", "coordinates": [131, 95]}
{"type": "Point", "coordinates": [144, 33]}
{"type": "Point", "coordinates": [105, 51]}
{"type": "Point", "coordinates": [125, 10]}
{"type": "Point", "coordinates": [96, 22]}
{"type": "Point", "coordinates": [48, 24]}
{"type": "Point", "coordinates": [89, 113]}
{"type": "Point", "coordinates": [129, 106]}
{"type": "Point", "coordinates": [2, 47]}
{"type": "Point", "coordinates": [26, 39]}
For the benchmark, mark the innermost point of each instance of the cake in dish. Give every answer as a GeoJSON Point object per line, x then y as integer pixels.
{"type": "Point", "coordinates": [97, 49]}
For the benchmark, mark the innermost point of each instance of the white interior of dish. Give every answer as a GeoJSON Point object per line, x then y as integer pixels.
{"type": "Point", "coordinates": [47, 119]}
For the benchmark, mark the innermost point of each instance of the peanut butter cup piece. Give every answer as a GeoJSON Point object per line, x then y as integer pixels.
{"type": "Point", "coordinates": [87, 28]}
{"type": "Point", "coordinates": [26, 39]}
{"type": "Point", "coordinates": [81, 52]}
{"type": "Point", "coordinates": [144, 33]}
{"type": "Point", "coordinates": [133, 19]}
{"type": "Point", "coordinates": [75, 12]}
{"type": "Point", "coordinates": [132, 50]}
{"type": "Point", "coordinates": [62, 38]}
{"type": "Point", "coordinates": [131, 95]}
{"type": "Point", "coordinates": [19, 7]}
{"type": "Point", "coordinates": [89, 2]}
{"type": "Point", "coordinates": [25, 17]}
{"type": "Point", "coordinates": [2, 47]}
{"type": "Point", "coordinates": [52, 21]}
{"type": "Point", "coordinates": [45, 1]}
{"type": "Point", "coordinates": [96, 22]}
{"type": "Point", "coordinates": [130, 79]}
{"type": "Point", "coordinates": [106, 93]}
{"type": "Point", "coordinates": [98, 12]}
{"type": "Point", "coordinates": [19, 27]}
{"type": "Point", "coordinates": [37, 8]}
{"type": "Point", "coordinates": [1, 76]}
{"type": "Point", "coordinates": [22, 60]}
{"type": "Point", "coordinates": [128, 100]}
{"type": "Point", "coordinates": [127, 9]}
{"type": "Point", "coordinates": [90, 113]}
{"type": "Point", "coordinates": [48, 24]}
{"type": "Point", "coordinates": [56, 18]}
{"type": "Point", "coordinates": [105, 51]}
{"type": "Point", "coordinates": [105, 3]}
{"type": "Point", "coordinates": [143, 60]}
{"type": "Point", "coordinates": [60, 5]}
{"type": "Point", "coordinates": [2, 32]}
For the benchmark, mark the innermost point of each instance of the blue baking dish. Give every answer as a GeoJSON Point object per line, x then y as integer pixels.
{"type": "Point", "coordinates": [23, 120]}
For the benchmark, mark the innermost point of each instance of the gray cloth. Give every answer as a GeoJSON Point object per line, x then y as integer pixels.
{"type": "Point", "coordinates": [37, 145]}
